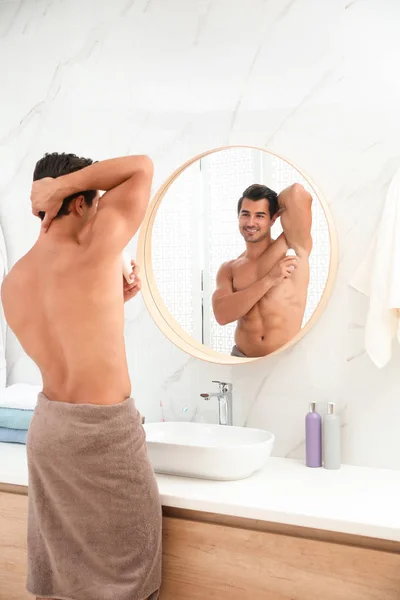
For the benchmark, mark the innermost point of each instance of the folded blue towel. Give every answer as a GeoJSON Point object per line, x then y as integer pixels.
{"type": "Point", "coordinates": [15, 418]}
{"type": "Point", "coordinates": [15, 436]}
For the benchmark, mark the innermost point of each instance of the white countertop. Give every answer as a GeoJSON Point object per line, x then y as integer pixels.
{"type": "Point", "coordinates": [354, 500]}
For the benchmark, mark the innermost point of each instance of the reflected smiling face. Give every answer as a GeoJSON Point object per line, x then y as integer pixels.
{"type": "Point", "coordinates": [254, 220]}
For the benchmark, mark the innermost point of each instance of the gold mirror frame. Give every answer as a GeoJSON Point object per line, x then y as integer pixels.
{"type": "Point", "coordinates": [155, 304]}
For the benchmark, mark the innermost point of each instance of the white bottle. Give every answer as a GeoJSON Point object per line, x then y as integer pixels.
{"type": "Point", "coordinates": [331, 438]}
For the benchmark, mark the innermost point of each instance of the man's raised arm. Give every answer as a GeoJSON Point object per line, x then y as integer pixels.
{"type": "Point", "coordinates": [127, 183]}
{"type": "Point", "coordinates": [296, 218]}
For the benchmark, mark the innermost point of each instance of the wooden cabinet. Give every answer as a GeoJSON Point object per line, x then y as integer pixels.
{"type": "Point", "coordinates": [204, 561]}
{"type": "Point", "coordinates": [209, 557]}
{"type": "Point", "coordinates": [13, 513]}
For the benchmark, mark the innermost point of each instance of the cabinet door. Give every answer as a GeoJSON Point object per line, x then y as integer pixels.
{"type": "Point", "coordinates": [203, 561]}
{"type": "Point", "coordinates": [13, 517]}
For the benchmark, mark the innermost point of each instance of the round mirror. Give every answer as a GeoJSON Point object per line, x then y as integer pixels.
{"type": "Point", "coordinates": [239, 255]}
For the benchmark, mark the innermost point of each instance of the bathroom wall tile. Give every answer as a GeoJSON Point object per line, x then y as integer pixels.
{"type": "Point", "coordinates": [315, 81]}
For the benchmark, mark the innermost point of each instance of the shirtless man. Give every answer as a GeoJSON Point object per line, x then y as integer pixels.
{"type": "Point", "coordinates": [262, 289]}
{"type": "Point", "coordinates": [64, 300]}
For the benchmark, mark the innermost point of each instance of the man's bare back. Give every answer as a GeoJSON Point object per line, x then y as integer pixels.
{"type": "Point", "coordinates": [264, 291]}
{"type": "Point", "coordinates": [66, 308]}
{"type": "Point", "coordinates": [64, 299]}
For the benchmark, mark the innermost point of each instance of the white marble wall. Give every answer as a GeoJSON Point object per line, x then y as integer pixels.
{"type": "Point", "coordinates": [315, 81]}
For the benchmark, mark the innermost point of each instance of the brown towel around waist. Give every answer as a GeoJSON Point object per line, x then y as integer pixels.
{"type": "Point", "coordinates": [94, 520]}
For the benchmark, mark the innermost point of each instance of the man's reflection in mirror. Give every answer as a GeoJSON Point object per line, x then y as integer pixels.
{"type": "Point", "coordinates": [265, 288]}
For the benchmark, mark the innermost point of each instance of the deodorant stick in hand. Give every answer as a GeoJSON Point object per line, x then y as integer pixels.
{"type": "Point", "coordinates": [291, 252]}
{"type": "Point", "coordinates": [127, 267]}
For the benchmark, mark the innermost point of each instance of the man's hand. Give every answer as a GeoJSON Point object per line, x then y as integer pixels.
{"type": "Point", "coordinates": [132, 288]}
{"type": "Point", "coordinates": [46, 196]}
{"type": "Point", "coordinates": [282, 270]}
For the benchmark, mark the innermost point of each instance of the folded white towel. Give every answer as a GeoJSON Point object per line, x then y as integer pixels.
{"type": "Point", "coordinates": [20, 395]}
{"type": "Point", "coordinates": [379, 278]}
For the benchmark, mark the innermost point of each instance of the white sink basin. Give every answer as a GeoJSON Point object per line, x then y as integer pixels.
{"type": "Point", "coordinates": [207, 451]}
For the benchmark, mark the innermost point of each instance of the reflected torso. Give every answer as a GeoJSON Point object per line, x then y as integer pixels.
{"type": "Point", "coordinates": [277, 317]}
{"type": "Point", "coordinates": [65, 306]}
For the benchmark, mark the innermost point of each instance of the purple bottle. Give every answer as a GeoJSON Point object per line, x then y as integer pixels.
{"type": "Point", "coordinates": [313, 437]}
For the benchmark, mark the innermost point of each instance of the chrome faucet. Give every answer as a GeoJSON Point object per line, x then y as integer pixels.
{"type": "Point", "coordinates": [224, 396]}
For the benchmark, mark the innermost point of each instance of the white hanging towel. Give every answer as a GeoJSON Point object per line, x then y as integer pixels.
{"type": "Point", "coordinates": [379, 278]}
{"type": "Point", "coordinates": [3, 328]}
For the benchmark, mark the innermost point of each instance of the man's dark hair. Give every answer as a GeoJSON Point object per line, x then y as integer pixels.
{"type": "Point", "coordinates": [259, 192]}
{"type": "Point", "coordinates": [55, 165]}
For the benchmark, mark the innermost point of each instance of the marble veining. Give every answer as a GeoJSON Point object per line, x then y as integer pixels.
{"type": "Point", "coordinates": [314, 81]}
